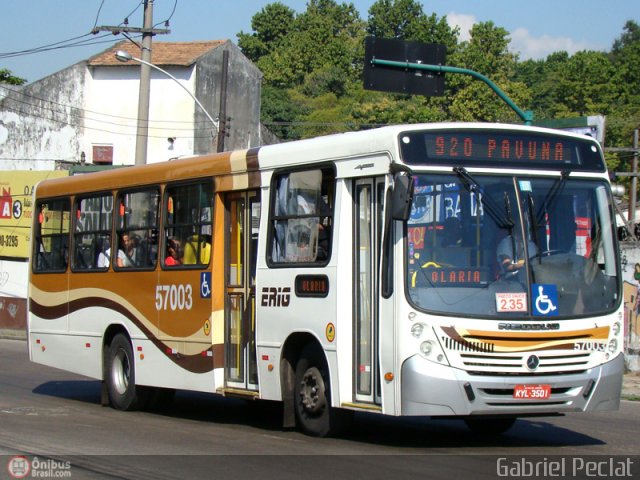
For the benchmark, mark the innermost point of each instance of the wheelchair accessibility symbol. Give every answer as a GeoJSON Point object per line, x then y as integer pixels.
{"type": "Point", "coordinates": [545, 300]}
{"type": "Point", "coordinates": [205, 285]}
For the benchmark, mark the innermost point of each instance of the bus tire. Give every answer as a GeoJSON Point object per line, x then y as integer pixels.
{"type": "Point", "coordinates": [312, 397]}
{"type": "Point", "coordinates": [121, 377]}
{"type": "Point", "coordinates": [490, 426]}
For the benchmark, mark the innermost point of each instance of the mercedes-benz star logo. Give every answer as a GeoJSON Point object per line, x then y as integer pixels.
{"type": "Point", "coordinates": [533, 362]}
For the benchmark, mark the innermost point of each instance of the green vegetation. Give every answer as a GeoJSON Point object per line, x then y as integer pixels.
{"type": "Point", "coordinates": [7, 77]}
{"type": "Point", "coordinates": [312, 63]}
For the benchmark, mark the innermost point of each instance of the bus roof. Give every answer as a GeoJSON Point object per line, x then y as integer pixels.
{"type": "Point", "coordinates": [243, 167]}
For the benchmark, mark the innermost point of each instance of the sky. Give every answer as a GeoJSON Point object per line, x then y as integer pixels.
{"type": "Point", "coordinates": [537, 28]}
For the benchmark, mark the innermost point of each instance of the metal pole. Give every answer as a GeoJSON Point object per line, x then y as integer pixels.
{"type": "Point", "coordinates": [527, 116]}
{"type": "Point", "coordinates": [145, 83]}
{"type": "Point", "coordinates": [223, 102]}
{"type": "Point", "coordinates": [634, 183]}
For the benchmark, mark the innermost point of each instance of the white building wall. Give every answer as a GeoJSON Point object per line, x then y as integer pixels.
{"type": "Point", "coordinates": [14, 276]}
{"type": "Point", "coordinates": [114, 93]}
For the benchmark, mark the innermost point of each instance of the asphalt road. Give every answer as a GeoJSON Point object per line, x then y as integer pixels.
{"type": "Point", "coordinates": [53, 417]}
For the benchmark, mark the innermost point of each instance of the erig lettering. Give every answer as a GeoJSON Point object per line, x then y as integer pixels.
{"type": "Point", "coordinates": [275, 296]}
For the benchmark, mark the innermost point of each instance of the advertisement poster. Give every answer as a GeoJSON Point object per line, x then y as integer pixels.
{"type": "Point", "coordinates": [16, 209]}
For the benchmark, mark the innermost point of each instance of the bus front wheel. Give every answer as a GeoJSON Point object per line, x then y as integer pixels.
{"type": "Point", "coordinates": [312, 399]}
{"type": "Point", "coordinates": [120, 375]}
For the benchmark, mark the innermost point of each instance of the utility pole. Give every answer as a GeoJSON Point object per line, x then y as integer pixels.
{"type": "Point", "coordinates": [222, 117]}
{"type": "Point", "coordinates": [634, 182]}
{"type": "Point", "coordinates": [142, 135]}
{"type": "Point", "coordinates": [148, 32]}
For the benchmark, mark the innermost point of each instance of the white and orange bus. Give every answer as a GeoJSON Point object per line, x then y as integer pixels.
{"type": "Point", "coordinates": [442, 270]}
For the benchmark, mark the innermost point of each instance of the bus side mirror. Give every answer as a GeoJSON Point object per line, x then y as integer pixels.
{"type": "Point", "coordinates": [402, 196]}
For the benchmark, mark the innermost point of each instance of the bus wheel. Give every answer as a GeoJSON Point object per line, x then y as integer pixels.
{"type": "Point", "coordinates": [120, 375]}
{"type": "Point", "coordinates": [311, 393]}
{"type": "Point", "coordinates": [490, 426]}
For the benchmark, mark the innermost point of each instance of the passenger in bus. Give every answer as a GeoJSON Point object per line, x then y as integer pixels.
{"type": "Point", "coordinates": [195, 244]}
{"type": "Point", "coordinates": [174, 253]}
{"type": "Point", "coordinates": [452, 232]}
{"type": "Point", "coordinates": [104, 258]}
{"type": "Point", "coordinates": [510, 262]}
{"type": "Point", "coordinates": [126, 252]}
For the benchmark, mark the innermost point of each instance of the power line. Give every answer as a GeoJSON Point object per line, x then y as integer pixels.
{"type": "Point", "coordinates": [98, 14]}
{"type": "Point", "coordinates": [166, 21]}
{"type": "Point", "coordinates": [43, 48]}
{"type": "Point", "coordinates": [85, 111]}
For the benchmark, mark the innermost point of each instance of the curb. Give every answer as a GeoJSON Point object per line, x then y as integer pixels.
{"type": "Point", "coordinates": [9, 334]}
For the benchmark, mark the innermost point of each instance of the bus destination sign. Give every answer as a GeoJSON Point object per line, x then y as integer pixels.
{"type": "Point", "coordinates": [452, 277]}
{"type": "Point", "coordinates": [499, 148]}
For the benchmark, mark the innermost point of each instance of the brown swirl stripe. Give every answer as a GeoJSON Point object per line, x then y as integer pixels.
{"type": "Point", "coordinates": [197, 363]}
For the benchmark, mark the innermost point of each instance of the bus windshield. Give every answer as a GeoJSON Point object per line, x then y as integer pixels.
{"type": "Point", "coordinates": [511, 246]}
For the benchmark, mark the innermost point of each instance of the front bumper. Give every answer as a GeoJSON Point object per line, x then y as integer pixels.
{"type": "Point", "coordinates": [436, 390]}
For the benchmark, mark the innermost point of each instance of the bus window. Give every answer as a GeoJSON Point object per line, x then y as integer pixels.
{"type": "Point", "coordinates": [137, 229]}
{"type": "Point", "coordinates": [188, 226]}
{"type": "Point", "coordinates": [92, 233]}
{"type": "Point", "coordinates": [301, 217]}
{"type": "Point", "coordinates": [51, 236]}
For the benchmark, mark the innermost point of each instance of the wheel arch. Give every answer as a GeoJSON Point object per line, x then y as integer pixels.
{"type": "Point", "coordinates": [291, 350]}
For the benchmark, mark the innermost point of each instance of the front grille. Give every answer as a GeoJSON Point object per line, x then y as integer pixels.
{"type": "Point", "coordinates": [480, 358]}
{"type": "Point", "coordinates": [453, 344]}
{"type": "Point", "coordinates": [524, 374]}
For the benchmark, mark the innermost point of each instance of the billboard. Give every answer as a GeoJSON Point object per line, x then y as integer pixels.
{"type": "Point", "coordinates": [16, 209]}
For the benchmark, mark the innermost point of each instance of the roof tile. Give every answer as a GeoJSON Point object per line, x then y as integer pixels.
{"type": "Point", "coordinates": [162, 53]}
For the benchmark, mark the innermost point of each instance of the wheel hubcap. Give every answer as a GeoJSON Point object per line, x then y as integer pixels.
{"type": "Point", "coordinates": [120, 371]}
{"type": "Point", "coordinates": [312, 391]}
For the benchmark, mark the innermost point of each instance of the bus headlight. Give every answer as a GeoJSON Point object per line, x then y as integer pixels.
{"type": "Point", "coordinates": [426, 348]}
{"type": "Point", "coordinates": [613, 345]}
{"type": "Point", "coordinates": [417, 329]}
{"type": "Point", "coordinates": [616, 328]}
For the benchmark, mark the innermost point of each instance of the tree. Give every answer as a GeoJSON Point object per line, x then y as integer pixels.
{"type": "Point", "coordinates": [406, 19]}
{"type": "Point", "coordinates": [7, 77]}
{"type": "Point", "coordinates": [326, 34]}
{"type": "Point", "coordinates": [487, 53]}
{"type": "Point", "coordinates": [312, 65]}
{"type": "Point", "coordinates": [585, 87]}
{"type": "Point", "coordinates": [270, 25]}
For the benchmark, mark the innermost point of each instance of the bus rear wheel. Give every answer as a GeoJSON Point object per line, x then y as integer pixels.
{"type": "Point", "coordinates": [120, 376]}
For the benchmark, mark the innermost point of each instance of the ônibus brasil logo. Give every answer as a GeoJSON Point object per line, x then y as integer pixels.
{"type": "Point", "coordinates": [19, 466]}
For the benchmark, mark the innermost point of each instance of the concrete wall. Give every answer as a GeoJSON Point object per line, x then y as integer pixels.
{"type": "Point", "coordinates": [70, 112]}
{"type": "Point", "coordinates": [13, 294]}
{"type": "Point", "coordinates": [243, 97]}
{"type": "Point", "coordinates": [630, 255]}
{"type": "Point", "coordinates": [44, 120]}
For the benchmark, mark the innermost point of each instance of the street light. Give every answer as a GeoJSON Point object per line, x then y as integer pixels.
{"type": "Point", "coordinates": [123, 56]}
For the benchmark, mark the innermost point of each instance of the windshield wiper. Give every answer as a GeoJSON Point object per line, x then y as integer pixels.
{"type": "Point", "coordinates": [551, 197]}
{"type": "Point", "coordinates": [472, 185]}
{"type": "Point", "coordinates": [534, 226]}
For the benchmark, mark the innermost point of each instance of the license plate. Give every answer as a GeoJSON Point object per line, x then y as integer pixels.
{"type": "Point", "coordinates": [534, 392]}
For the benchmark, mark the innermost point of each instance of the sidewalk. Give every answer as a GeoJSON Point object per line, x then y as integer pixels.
{"type": "Point", "coordinates": [631, 386]}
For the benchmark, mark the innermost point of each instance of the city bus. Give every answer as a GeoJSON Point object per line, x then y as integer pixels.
{"type": "Point", "coordinates": [452, 270]}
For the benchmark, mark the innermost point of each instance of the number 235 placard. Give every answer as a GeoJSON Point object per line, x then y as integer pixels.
{"type": "Point", "coordinates": [511, 302]}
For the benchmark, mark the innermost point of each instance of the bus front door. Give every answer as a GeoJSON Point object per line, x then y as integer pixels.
{"type": "Point", "coordinates": [367, 243]}
{"type": "Point", "coordinates": [241, 243]}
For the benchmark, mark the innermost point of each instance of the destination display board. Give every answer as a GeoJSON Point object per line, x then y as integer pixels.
{"type": "Point", "coordinates": [500, 148]}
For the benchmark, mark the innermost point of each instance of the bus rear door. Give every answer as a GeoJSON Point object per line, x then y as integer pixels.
{"type": "Point", "coordinates": [241, 242]}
